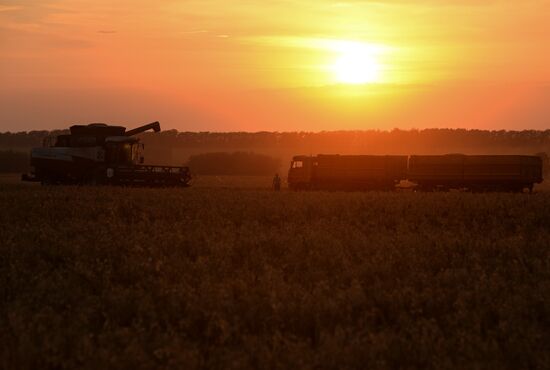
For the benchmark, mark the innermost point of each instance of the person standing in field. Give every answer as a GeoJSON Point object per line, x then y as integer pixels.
{"type": "Point", "coordinates": [276, 182]}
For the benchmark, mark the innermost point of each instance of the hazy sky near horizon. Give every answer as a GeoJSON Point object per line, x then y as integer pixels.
{"type": "Point", "coordinates": [288, 65]}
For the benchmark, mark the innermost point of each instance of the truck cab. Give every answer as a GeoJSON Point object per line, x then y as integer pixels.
{"type": "Point", "coordinates": [300, 172]}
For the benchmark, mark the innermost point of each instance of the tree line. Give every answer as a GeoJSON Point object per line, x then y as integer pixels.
{"type": "Point", "coordinates": [255, 152]}
{"type": "Point", "coordinates": [237, 163]}
{"type": "Point", "coordinates": [372, 141]}
{"type": "Point", "coordinates": [12, 161]}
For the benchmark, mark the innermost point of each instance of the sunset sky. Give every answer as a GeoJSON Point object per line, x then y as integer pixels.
{"type": "Point", "coordinates": [289, 65]}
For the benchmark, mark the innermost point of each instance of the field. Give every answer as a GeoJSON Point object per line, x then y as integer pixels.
{"type": "Point", "coordinates": [223, 275]}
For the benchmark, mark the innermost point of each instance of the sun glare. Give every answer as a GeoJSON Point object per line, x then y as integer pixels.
{"type": "Point", "coordinates": [356, 63]}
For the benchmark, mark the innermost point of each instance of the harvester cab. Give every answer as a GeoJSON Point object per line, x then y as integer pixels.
{"type": "Point", "coordinates": [100, 153]}
{"type": "Point", "coordinates": [127, 149]}
{"type": "Point", "coordinates": [121, 150]}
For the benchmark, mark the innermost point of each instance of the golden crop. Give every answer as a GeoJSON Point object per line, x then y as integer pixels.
{"type": "Point", "coordinates": [234, 278]}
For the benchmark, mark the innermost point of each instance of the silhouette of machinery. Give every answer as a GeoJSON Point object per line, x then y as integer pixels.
{"type": "Point", "coordinates": [101, 154]}
{"type": "Point", "coordinates": [426, 172]}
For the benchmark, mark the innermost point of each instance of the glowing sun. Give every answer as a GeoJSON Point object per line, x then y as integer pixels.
{"type": "Point", "coordinates": [356, 64]}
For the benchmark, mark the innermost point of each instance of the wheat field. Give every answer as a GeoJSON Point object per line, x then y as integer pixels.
{"type": "Point", "coordinates": [233, 278]}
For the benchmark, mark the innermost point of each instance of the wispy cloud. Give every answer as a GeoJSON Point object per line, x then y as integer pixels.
{"type": "Point", "coordinates": [193, 32]}
{"type": "Point", "coordinates": [9, 8]}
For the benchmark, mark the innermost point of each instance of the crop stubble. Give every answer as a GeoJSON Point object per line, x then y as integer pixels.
{"type": "Point", "coordinates": [236, 278]}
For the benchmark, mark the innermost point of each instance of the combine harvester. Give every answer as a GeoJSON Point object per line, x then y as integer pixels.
{"type": "Point", "coordinates": [101, 154]}
{"type": "Point", "coordinates": [427, 172]}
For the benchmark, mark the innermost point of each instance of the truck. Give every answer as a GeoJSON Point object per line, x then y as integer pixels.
{"type": "Point", "coordinates": [98, 153]}
{"type": "Point", "coordinates": [475, 172]}
{"type": "Point", "coordinates": [347, 172]}
{"type": "Point", "coordinates": [425, 172]}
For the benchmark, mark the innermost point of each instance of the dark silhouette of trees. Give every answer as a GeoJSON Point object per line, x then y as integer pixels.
{"type": "Point", "coordinates": [12, 161]}
{"type": "Point", "coordinates": [238, 163]}
{"type": "Point", "coordinates": [368, 141]}
{"type": "Point", "coordinates": [428, 141]}
{"type": "Point", "coordinates": [176, 147]}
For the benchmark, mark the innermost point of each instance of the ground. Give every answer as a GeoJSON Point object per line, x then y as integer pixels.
{"type": "Point", "coordinates": [228, 274]}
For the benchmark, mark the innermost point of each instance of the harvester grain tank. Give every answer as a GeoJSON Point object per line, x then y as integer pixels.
{"type": "Point", "coordinates": [347, 172]}
{"type": "Point", "coordinates": [101, 154]}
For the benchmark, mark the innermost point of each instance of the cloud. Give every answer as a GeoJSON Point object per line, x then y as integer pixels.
{"type": "Point", "coordinates": [192, 32]}
{"type": "Point", "coordinates": [32, 39]}
{"type": "Point", "coordinates": [8, 8]}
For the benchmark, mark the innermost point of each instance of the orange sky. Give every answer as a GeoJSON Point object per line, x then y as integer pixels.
{"type": "Point", "coordinates": [270, 65]}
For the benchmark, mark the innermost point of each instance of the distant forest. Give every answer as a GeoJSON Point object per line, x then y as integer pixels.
{"type": "Point", "coordinates": [173, 147]}
{"type": "Point", "coordinates": [371, 141]}
{"type": "Point", "coordinates": [237, 163]}
{"type": "Point", "coordinates": [12, 161]}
